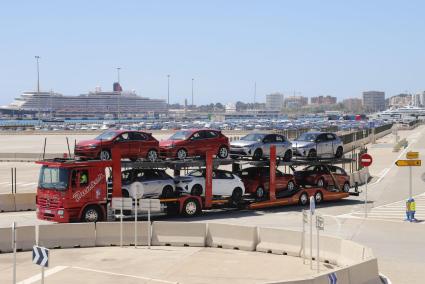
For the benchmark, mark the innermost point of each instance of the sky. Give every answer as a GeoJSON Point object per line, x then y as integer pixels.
{"type": "Point", "coordinates": [309, 48]}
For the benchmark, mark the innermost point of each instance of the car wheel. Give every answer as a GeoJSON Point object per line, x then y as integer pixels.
{"type": "Point", "coordinates": [196, 190]}
{"type": "Point", "coordinates": [259, 192]}
{"type": "Point", "coordinates": [237, 195]}
{"type": "Point", "coordinates": [167, 192]}
{"type": "Point", "coordinates": [152, 155]}
{"type": "Point", "coordinates": [318, 197]}
{"type": "Point", "coordinates": [125, 193]}
{"type": "Point", "coordinates": [105, 155]}
{"type": "Point", "coordinates": [258, 154]}
{"type": "Point", "coordinates": [223, 152]}
{"type": "Point", "coordinates": [321, 182]}
{"type": "Point", "coordinates": [288, 156]}
{"type": "Point", "coordinates": [346, 187]}
{"type": "Point", "coordinates": [339, 152]}
{"type": "Point", "coordinates": [91, 214]}
{"type": "Point", "coordinates": [191, 207]}
{"type": "Point", "coordinates": [312, 154]}
{"type": "Point", "coordinates": [303, 199]}
{"type": "Point", "coordinates": [291, 185]}
{"type": "Point", "coordinates": [181, 154]}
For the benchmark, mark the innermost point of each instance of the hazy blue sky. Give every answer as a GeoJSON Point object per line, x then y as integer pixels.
{"type": "Point", "coordinates": [313, 47]}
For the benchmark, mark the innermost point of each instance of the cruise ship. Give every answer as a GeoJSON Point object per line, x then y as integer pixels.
{"type": "Point", "coordinates": [96, 104]}
{"type": "Point", "coordinates": [402, 114]}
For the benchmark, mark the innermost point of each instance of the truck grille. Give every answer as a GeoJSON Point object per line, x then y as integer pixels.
{"type": "Point", "coordinates": [47, 203]}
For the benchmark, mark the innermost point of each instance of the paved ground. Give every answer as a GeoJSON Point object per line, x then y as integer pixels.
{"type": "Point", "coordinates": [400, 246]}
{"type": "Point", "coordinates": [158, 265]}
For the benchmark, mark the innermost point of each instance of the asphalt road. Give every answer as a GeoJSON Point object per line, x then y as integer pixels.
{"type": "Point", "coordinates": [399, 245]}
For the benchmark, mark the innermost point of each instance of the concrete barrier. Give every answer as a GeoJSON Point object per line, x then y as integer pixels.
{"type": "Point", "coordinates": [330, 249]}
{"type": "Point", "coordinates": [365, 272]}
{"type": "Point", "coordinates": [232, 236]}
{"type": "Point", "coordinates": [7, 202]}
{"type": "Point", "coordinates": [279, 241]}
{"type": "Point", "coordinates": [179, 234]}
{"type": "Point", "coordinates": [5, 240]}
{"type": "Point", "coordinates": [25, 201]}
{"type": "Point", "coordinates": [67, 235]}
{"type": "Point", "coordinates": [108, 233]}
{"type": "Point", "coordinates": [352, 252]}
{"type": "Point", "coordinates": [342, 276]}
{"type": "Point", "coordinates": [25, 238]}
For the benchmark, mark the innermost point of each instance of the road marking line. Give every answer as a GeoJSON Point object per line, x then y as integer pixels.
{"type": "Point", "coordinates": [125, 275]}
{"type": "Point", "coordinates": [47, 273]}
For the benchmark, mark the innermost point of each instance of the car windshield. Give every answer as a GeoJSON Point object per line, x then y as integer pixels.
{"type": "Point", "coordinates": [180, 135]}
{"type": "Point", "coordinates": [253, 137]}
{"type": "Point", "coordinates": [310, 137]}
{"type": "Point", "coordinates": [108, 135]}
{"type": "Point", "coordinates": [53, 178]}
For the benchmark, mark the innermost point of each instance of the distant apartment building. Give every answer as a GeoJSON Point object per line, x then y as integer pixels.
{"type": "Point", "coordinates": [374, 101]}
{"type": "Point", "coordinates": [323, 100]}
{"type": "Point", "coordinates": [422, 98]}
{"type": "Point", "coordinates": [352, 104]}
{"type": "Point", "coordinates": [400, 100]}
{"type": "Point", "coordinates": [274, 101]}
{"type": "Point", "coordinates": [295, 101]}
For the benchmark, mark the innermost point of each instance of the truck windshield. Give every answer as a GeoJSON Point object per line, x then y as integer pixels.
{"type": "Point", "coordinates": [53, 178]}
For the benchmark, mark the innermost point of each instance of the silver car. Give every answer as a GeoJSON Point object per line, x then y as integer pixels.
{"type": "Point", "coordinates": [318, 144]}
{"type": "Point", "coordinates": [257, 146]}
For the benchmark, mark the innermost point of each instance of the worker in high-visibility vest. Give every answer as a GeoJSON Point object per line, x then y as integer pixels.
{"type": "Point", "coordinates": [412, 210]}
{"type": "Point", "coordinates": [408, 210]}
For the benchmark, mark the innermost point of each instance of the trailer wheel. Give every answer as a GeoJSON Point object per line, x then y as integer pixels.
{"type": "Point", "coordinates": [237, 195]}
{"type": "Point", "coordinates": [259, 192]}
{"type": "Point", "coordinates": [318, 197]}
{"type": "Point", "coordinates": [303, 199]}
{"type": "Point", "coordinates": [196, 190]}
{"type": "Point", "coordinates": [167, 191]}
{"type": "Point", "coordinates": [91, 214]}
{"type": "Point", "coordinates": [191, 207]}
{"type": "Point", "coordinates": [105, 155]}
{"type": "Point", "coordinates": [346, 187]}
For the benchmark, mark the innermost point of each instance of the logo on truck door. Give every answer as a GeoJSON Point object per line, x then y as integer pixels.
{"type": "Point", "coordinates": [81, 193]}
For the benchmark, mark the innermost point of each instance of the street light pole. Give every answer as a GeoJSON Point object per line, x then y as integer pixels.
{"type": "Point", "coordinates": [192, 92]}
{"type": "Point", "coordinates": [38, 85]}
{"type": "Point", "coordinates": [118, 74]}
{"type": "Point", "coordinates": [119, 95]}
{"type": "Point", "coordinates": [168, 94]}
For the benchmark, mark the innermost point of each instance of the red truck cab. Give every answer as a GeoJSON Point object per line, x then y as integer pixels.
{"type": "Point", "coordinates": [70, 190]}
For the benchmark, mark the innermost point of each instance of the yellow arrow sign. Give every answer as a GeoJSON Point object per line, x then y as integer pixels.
{"type": "Point", "coordinates": [408, 163]}
{"type": "Point", "coordinates": [412, 155]}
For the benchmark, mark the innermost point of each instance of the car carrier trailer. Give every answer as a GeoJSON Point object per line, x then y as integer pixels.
{"type": "Point", "coordinates": [71, 204]}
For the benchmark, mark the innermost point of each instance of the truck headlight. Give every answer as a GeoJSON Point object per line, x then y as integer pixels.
{"type": "Point", "coordinates": [60, 212]}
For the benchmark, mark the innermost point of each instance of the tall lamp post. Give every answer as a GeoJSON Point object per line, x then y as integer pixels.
{"type": "Point", "coordinates": [119, 95]}
{"type": "Point", "coordinates": [192, 92]}
{"type": "Point", "coordinates": [168, 94]}
{"type": "Point", "coordinates": [38, 85]}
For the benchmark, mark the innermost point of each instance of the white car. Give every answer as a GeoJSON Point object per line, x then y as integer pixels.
{"type": "Point", "coordinates": [152, 183]}
{"type": "Point", "coordinates": [224, 183]}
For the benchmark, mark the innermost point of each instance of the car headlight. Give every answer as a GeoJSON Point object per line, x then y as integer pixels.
{"type": "Point", "coordinates": [60, 212]}
{"type": "Point", "coordinates": [92, 146]}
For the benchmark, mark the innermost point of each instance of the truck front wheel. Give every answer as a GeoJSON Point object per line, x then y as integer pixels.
{"type": "Point", "coordinates": [91, 214]}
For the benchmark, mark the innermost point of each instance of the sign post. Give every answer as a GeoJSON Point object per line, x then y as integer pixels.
{"type": "Point", "coordinates": [150, 205]}
{"type": "Point", "coordinates": [412, 161]}
{"type": "Point", "coordinates": [366, 160]}
{"type": "Point", "coordinates": [305, 221]}
{"type": "Point", "coordinates": [14, 251]}
{"type": "Point", "coordinates": [40, 256]}
{"type": "Point", "coordinates": [122, 203]}
{"type": "Point", "coordinates": [320, 225]}
{"type": "Point", "coordinates": [312, 208]}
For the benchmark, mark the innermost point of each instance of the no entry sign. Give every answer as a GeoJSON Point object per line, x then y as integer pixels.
{"type": "Point", "coordinates": [366, 160]}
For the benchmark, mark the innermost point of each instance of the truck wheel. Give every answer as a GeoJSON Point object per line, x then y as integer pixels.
{"type": "Point", "coordinates": [105, 155]}
{"type": "Point", "coordinates": [258, 154]}
{"type": "Point", "coordinates": [196, 190]}
{"type": "Point", "coordinates": [318, 197]}
{"type": "Point", "coordinates": [223, 152]}
{"type": "Point", "coordinates": [237, 195]}
{"type": "Point", "coordinates": [91, 214]}
{"type": "Point", "coordinates": [346, 187]}
{"type": "Point", "coordinates": [339, 152]}
{"type": "Point", "coordinates": [167, 192]}
{"type": "Point", "coordinates": [303, 199]}
{"type": "Point", "coordinates": [191, 207]}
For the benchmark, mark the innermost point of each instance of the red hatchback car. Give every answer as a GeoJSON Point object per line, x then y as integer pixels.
{"type": "Point", "coordinates": [321, 176]}
{"type": "Point", "coordinates": [133, 145]}
{"type": "Point", "coordinates": [194, 142]}
{"type": "Point", "coordinates": [257, 182]}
